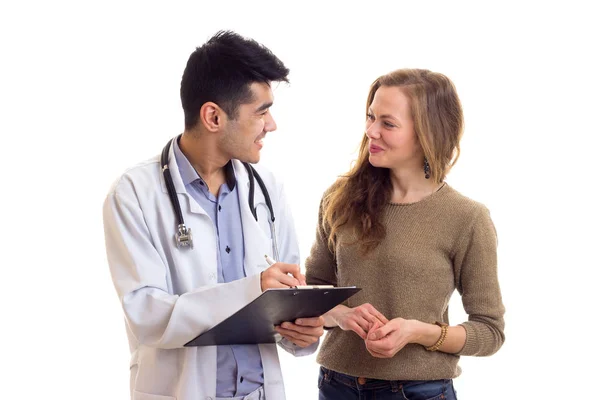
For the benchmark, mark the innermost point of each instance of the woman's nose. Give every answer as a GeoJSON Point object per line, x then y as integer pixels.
{"type": "Point", "coordinates": [372, 132]}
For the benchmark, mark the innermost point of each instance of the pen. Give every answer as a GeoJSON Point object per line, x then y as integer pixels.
{"type": "Point", "coordinates": [270, 261]}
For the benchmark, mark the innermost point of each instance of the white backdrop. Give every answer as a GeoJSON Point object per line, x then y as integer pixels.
{"type": "Point", "coordinates": [88, 89]}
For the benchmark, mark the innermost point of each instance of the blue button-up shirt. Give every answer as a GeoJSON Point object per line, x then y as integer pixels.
{"type": "Point", "coordinates": [239, 367]}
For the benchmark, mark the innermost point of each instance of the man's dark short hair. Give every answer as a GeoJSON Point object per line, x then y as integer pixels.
{"type": "Point", "coordinates": [222, 70]}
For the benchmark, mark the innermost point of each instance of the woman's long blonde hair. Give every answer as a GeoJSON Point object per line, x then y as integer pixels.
{"type": "Point", "coordinates": [357, 199]}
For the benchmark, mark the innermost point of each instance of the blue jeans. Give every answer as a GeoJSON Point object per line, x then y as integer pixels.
{"type": "Point", "coordinates": [337, 386]}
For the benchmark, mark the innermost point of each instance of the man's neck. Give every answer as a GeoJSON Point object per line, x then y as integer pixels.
{"type": "Point", "coordinates": [205, 157]}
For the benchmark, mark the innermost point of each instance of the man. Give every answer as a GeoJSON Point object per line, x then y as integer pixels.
{"type": "Point", "coordinates": [174, 287]}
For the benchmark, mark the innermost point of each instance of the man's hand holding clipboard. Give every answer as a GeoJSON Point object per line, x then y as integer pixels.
{"type": "Point", "coordinates": [303, 331]}
{"type": "Point", "coordinates": [286, 308]}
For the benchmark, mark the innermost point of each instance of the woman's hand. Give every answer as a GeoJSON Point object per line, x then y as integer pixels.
{"type": "Point", "coordinates": [358, 319]}
{"type": "Point", "coordinates": [387, 340]}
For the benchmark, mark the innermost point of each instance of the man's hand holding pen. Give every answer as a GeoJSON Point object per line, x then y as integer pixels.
{"type": "Point", "coordinates": [281, 275]}
{"type": "Point", "coordinates": [304, 331]}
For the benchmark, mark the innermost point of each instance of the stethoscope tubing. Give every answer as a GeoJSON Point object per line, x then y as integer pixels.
{"type": "Point", "coordinates": [182, 230]}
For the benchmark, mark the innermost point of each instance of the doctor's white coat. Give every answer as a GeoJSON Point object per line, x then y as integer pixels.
{"type": "Point", "coordinates": [170, 295]}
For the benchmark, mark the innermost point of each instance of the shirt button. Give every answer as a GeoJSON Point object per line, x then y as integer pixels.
{"type": "Point", "coordinates": [227, 249]}
{"type": "Point", "coordinates": [219, 208]}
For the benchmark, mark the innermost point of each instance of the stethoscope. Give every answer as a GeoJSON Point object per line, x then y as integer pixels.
{"type": "Point", "coordinates": [183, 235]}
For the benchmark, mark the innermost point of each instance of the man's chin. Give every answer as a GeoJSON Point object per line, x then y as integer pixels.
{"type": "Point", "coordinates": [252, 159]}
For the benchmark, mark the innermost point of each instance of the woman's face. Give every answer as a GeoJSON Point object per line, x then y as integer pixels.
{"type": "Point", "coordinates": [393, 142]}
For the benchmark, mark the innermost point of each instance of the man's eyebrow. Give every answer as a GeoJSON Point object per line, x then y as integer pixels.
{"type": "Point", "coordinates": [264, 107]}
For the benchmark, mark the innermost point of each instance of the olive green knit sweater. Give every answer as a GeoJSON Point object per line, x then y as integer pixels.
{"type": "Point", "coordinates": [444, 242]}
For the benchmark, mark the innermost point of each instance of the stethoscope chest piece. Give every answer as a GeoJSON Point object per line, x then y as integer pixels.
{"type": "Point", "coordinates": [183, 237]}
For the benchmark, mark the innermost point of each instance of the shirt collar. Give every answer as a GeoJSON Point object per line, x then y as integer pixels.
{"type": "Point", "coordinates": [189, 174]}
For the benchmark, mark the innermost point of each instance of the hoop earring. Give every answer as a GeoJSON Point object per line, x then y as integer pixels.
{"type": "Point", "coordinates": [426, 169]}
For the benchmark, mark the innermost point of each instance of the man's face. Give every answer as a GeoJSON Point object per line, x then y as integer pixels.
{"type": "Point", "coordinates": [242, 137]}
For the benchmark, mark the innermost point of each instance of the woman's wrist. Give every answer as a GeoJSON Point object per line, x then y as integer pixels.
{"type": "Point", "coordinates": [426, 334]}
{"type": "Point", "coordinates": [331, 317]}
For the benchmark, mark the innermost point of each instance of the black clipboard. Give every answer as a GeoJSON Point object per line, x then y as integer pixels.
{"type": "Point", "coordinates": [255, 323]}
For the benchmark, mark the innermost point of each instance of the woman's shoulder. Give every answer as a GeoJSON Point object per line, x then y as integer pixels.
{"type": "Point", "coordinates": [461, 202]}
{"type": "Point", "coordinates": [464, 213]}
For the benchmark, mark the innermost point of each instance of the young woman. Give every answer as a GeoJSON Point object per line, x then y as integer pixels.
{"type": "Point", "coordinates": [395, 228]}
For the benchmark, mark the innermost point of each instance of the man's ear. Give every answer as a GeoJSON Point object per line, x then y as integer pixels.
{"type": "Point", "coordinates": [211, 116]}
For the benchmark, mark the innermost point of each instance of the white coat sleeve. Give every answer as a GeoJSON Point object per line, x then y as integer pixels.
{"type": "Point", "coordinates": [155, 316]}
{"type": "Point", "coordinates": [289, 253]}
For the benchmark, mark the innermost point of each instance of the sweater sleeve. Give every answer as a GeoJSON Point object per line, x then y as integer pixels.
{"type": "Point", "coordinates": [475, 262]}
{"type": "Point", "coordinates": [321, 263]}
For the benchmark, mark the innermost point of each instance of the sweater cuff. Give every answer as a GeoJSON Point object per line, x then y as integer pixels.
{"type": "Point", "coordinates": [478, 341]}
{"type": "Point", "coordinates": [470, 347]}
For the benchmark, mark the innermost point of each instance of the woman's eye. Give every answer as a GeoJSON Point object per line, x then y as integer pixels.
{"type": "Point", "coordinates": [370, 117]}
{"type": "Point", "coordinates": [388, 125]}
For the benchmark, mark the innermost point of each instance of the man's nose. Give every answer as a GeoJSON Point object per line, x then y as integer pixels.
{"type": "Point", "coordinates": [270, 124]}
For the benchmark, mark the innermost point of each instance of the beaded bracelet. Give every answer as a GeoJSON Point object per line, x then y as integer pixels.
{"type": "Point", "coordinates": [440, 341]}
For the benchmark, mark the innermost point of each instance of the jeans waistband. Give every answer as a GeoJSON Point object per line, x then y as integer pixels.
{"type": "Point", "coordinates": [362, 383]}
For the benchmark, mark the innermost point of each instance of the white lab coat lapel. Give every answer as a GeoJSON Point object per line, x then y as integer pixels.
{"type": "Point", "coordinates": [197, 265]}
{"type": "Point", "coordinates": [257, 243]}
{"type": "Point", "coordinates": [183, 195]}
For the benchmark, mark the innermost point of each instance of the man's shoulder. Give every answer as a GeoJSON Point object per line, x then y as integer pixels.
{"type": "Point", "coordinates": [264, 170]}
{"type": "Point", "coordinates": [269, 177]}
{"type": "Point", "coordinates": [144, 174]}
